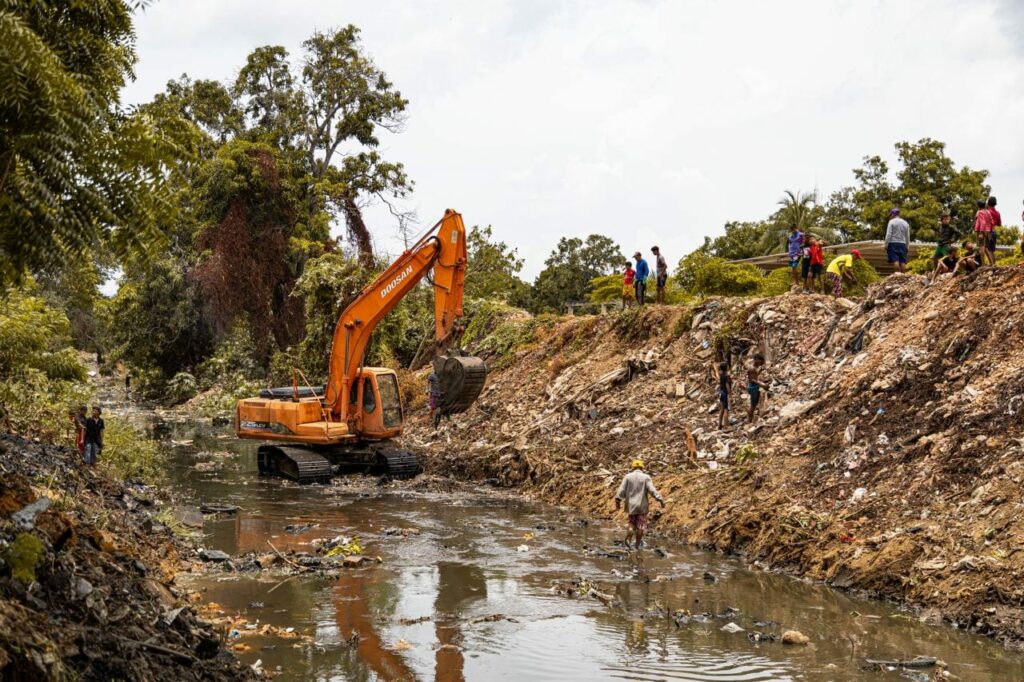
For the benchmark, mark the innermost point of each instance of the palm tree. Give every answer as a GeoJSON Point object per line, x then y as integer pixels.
{"type": "Point", "coordinates": [796, 208]}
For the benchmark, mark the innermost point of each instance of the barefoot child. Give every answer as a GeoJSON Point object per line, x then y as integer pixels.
{"type": "Point", "coordinates": [755, 386]}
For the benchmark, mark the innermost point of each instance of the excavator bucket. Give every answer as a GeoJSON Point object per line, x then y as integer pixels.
{"type": "Point", "coordinates": [460, 378]}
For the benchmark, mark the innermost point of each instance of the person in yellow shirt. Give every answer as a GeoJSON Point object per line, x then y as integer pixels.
{"type": "Point", "coordinates": [839, 269]}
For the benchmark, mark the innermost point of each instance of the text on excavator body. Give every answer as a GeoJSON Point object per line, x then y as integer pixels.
{"type": "Point", "coordinates": [395, 282]}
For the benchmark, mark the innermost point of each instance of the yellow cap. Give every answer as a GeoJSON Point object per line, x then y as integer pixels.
{"type": "Point", "coordinates": [638, 464]}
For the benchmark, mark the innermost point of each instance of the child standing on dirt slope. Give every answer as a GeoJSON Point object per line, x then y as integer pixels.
{"type": "Point", "coordinates": [805, 261]}
{"type": "Point", "coordinates": [634, 489]}
{"type": "Point", "coordinates": [817, 255]}
{"type": "Point", "coordinates": [80, 420]}
{"type": "Point", "coordinates": [724, 394]}
{"type": "Point", "coordinates": [841, 267]}
{"type": "Point", "coordinates": [627, 284]}
{"type": "Point", "coordinates": [755, 386]}
{"type": "Point", "coordinates": [433, 398]}
{"type": "Point", "coordinates": [982, 230]}
{"type": "Point", "coordinates": [793, 246]}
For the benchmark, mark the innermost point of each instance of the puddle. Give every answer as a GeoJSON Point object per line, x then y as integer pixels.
{"type": "Point", "coordinates": [459, 600]}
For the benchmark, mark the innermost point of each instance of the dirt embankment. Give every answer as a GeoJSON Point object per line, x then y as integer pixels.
{"type": "Point", "coordinates": [87, 579]}
{"type": "Point", "coordinates": [889, 459]}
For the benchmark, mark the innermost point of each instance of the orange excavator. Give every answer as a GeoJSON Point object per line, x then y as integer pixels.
{"type": "Point", "coordinates": [347, 425]}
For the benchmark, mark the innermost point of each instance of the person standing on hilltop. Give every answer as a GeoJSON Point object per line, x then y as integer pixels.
{"type": "Point", "coordinates": [794, 244]}
{"type": "Point", "coordinates": [634, 489]}
{"type": "Point", "coordinates": [660, 274]}
{"type": "Point", "coordinates": [897, 240]}
{"type": "Point", "coordinates": [945, 241]}
{"type": "Point", "coordinates": [841, 267]}
{"type": "Point", "coordinates": [817, 256]}
{"type": "Point", "coordinates": [640, 278]}
{"type": "Point", "coordinates": [983, 231]}
{"type": "Point", "coordinates": [997, 221]}
{"type": "Point", "coordinates": [627, 285]}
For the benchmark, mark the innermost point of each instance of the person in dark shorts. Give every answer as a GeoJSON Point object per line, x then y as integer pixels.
{"type": "Point", "coordinates": [817, 265]}
{"type": "Point", "coordinates": [997, 221]}
{"type": "Point", "coordinates": [793, 244]}
{"type": "Point", "coordinates": [947, 263]}
{"type": "Point", "coordinates": [970, 259]}
{"type": "Point", "coordinates": [755, 386]}
{"type": "Point", "coordinates": [944, 242]}
{"type": "Point", "coordinates": [983, 232]}
{"type": "Point", "coordinates": [724, 394]}
{"type": "Point", "coordinates": [805, 261]}
{"type": "Point", "coordinates": [897, 240]}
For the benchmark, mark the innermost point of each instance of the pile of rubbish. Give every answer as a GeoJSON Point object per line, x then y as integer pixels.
{"type": "Point", "coordinates": [888, 457]}
{"type": "Point", "coordinates": [87, 579]}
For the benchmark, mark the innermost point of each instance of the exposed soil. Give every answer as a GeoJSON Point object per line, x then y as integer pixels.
{"type": "Point", "coordinates": [87, 584]}
{"type": "Point", "coordinates": [888, 459]}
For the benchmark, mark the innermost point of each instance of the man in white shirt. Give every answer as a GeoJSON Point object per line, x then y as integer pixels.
{"type": "Point", "coordinates": [635, 487]}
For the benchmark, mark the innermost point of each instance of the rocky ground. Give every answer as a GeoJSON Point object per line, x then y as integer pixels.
{"type": "Point", "coordinates": [87, 578]}
{"type": "Point", "coordinates": [888, 459]}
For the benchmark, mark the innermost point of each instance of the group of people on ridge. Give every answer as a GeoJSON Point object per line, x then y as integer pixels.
{"type": "Point", "coordinates": [807, 264]}
{"type": "Point", "coordinates": [634, 280]}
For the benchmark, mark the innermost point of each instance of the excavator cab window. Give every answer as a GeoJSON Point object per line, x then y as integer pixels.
{"type": "Point", "coordinates": [390, 400]}
{"type": "Point", "coordinates": [369, 399]}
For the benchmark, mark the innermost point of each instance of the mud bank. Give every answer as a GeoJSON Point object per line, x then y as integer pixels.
{"type": "Point", "coordinates": [87, 578]}
{"type": "Point", "coordinates": [888, 459]}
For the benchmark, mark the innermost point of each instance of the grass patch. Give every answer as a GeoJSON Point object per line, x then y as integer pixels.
{"type": "Point", "coordinates": [129, 454]}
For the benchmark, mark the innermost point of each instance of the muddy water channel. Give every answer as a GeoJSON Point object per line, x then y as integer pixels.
{"type": "Point", "coordinates": [467, 592]}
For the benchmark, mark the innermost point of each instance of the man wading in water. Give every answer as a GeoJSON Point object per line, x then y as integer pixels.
{"type": "Point", "coordinates": [635, 488]}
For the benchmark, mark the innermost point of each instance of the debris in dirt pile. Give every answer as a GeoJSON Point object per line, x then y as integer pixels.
{"type": "Point", "coordinates": [300, 528]}
{"type": "Point", "coordinates": [102, 601]}
{"type": "Point", "coordinates": [214, 555]}
{"type": "Point", "coordinates": [930, 426]}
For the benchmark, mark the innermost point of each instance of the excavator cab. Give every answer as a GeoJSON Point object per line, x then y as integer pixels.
{"type": "Point", "coordinates": [377, 403]}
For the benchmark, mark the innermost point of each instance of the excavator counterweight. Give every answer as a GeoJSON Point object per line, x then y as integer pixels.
{"type": "Point", "coordinates": [347, 425]}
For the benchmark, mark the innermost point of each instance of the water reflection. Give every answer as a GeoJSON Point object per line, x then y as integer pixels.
{"type": "Point", "coordinates": [457, 601]}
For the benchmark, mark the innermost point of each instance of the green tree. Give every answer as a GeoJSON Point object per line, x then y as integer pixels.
{"type": "Point", "coordinates": [701, 274]}
{"type": "Point", "coordinates": [492, 267]}
{"type": "Point", "coordinates": [339, 103]}
{"type": "Point", "coordinates": [741, 240]}
{"type": "Point", "coordinates": [926, 182]}
{"type": "Point", "coordinates": [77, 172]}
{"type": "Point", "coordinates": [570, 268]}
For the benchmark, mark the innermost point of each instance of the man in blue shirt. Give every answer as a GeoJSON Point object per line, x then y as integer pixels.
{"type": "Point", "coordinates": [640, 278]}
{"type": "Point", "coordinates": [795, 243]}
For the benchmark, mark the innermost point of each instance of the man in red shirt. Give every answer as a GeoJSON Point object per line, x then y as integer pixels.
{"type": "Point", "coordinates": [627, 284]}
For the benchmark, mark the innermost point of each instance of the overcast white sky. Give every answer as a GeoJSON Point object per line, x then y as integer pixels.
{"type": "Point", "coordinates": [652, 122]}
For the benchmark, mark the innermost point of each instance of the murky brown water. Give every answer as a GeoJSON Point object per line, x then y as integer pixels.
{"type": "Point", "coordinates": [464, 566]}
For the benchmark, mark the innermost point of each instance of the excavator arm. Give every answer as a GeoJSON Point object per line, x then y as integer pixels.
{"type": "Point", "coordinates": [443, 249]}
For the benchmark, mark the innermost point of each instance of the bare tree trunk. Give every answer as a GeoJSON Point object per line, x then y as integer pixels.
{"type": "Point", "coordinates": [357, 230]}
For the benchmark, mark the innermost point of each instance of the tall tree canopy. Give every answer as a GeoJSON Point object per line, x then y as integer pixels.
{"type": "Point", "coordinates": [77, 172]}
{"type": "Point", "coordinates": [569, 269]}
{"type": "Point", "coordinates": [492, 268]}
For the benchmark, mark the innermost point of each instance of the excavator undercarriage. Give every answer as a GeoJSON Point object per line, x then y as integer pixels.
{"type": "Point", "coordinates": [310, 464]}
